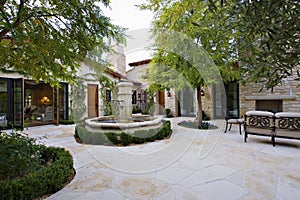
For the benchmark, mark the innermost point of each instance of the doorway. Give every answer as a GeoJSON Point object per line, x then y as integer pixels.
{"type": "Point", "coordinates": [225, 100]}
{"type": "Point", "coordinates": [93, 101]}
{"type": "Point", "coordinates": [38, 103]}
{"type": "Point", "coordinates": [161, 102]}
{"type": "Point", "coordinates": [187, 102]}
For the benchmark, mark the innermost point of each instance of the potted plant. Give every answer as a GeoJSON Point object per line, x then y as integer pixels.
{"type": "Point", "coordinates": [168, 112]}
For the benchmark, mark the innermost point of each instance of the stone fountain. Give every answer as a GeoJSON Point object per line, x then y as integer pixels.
{"type": "Point", "coordinates": [124, 100]}
{"type": "Point", "coordinates": [123, 120]}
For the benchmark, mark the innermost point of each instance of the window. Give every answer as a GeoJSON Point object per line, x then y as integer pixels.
{"type": "Point", "coordinates": [134, 97]}
{"type": "Point", "coordinates": [108, 96]}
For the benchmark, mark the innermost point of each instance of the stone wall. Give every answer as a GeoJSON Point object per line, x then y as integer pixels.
{"type": "Point", "coordinates": [172, 102]}
{"type": "Point", "coordinates": [288, 92]}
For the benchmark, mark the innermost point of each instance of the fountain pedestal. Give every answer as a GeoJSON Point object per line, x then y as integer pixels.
{"type": "Point", "coordinates": [125, 102]}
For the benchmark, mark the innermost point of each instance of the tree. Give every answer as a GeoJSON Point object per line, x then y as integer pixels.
{"type": "Point", "coordinates": [188, 53]}
{"type": "Point", "coordinates": [47, 39]}
{"type": "Point", "coordinates": [260, 37]}
{"type": "Point", "coordinates": [267, 37]}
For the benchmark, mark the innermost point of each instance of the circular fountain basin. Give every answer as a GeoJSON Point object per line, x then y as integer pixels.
{"type": "Point", "coordinates": [109, 124]}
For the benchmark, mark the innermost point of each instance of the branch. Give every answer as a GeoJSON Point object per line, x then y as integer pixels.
{"type": "Point", "coordinates": [2, 2]}
{"type": "Point", "coordinates": [16, 23]}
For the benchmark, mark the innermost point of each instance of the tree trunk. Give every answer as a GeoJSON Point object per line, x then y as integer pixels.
{"type": "Point", "coordinates": [199, 106]}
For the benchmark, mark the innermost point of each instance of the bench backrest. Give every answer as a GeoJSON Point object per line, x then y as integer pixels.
{"type": "Point", "coordinates": [259, 119]}
{"type": "Point", "coordinates": [287, 124]}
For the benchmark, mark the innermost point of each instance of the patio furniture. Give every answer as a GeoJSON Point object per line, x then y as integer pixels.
{"type": "Point", "coordinates": [3, 119]}
{"type": "Point", "coordinates": [287, 125]}
{"type": "Point", "coordinates": [29, 110]}
{"type": "Point", "coordinates": [230, 121]}
{"type": "Point", "coordinates": [44, 114]}
{"type": "Point", "coordinates": [279, 125]}
{"type": "Point", "coordinates": [259, 123]}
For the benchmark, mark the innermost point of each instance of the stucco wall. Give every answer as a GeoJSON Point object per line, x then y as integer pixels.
{"type": "Point", "coordinates": [117, 59]}
{"type": "Point", "coordinates": [136, 74]}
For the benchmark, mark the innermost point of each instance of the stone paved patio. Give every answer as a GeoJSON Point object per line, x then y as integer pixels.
{"type": "Point", "coordinates": [192, 164]}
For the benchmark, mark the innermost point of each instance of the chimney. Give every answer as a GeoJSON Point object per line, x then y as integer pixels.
{"type": "Point", "coordinates": [117, 59]}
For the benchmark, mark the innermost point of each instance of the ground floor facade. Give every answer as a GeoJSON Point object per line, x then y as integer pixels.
{"type": "Point", "coordinates": [232, 100]}
{"type": "Point", "coordinates": [24, 102]}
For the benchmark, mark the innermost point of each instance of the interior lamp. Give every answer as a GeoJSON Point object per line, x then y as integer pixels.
{"type": "Point", "coordinates": [45, 100]}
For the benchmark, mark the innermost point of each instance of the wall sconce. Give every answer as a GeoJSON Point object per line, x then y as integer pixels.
{"type": "Point", "coordinates": [168, 92]}
{"type": "Point", "coordinates": [45, 100]}
{"type": "Point", "coordinates": [202, 92]}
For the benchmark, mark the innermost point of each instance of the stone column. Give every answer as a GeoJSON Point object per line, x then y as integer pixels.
{"type": "Point", "coordinates": [125, 101]}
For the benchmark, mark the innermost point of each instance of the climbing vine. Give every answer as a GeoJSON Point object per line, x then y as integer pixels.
{"type": "Point", "coordinates": [106, 83]}
{"type": "Point", "coordinates": [78, 96]}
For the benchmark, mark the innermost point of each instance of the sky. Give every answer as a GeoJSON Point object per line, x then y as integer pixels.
{"type": "Point", "coordinates": [126, 14]}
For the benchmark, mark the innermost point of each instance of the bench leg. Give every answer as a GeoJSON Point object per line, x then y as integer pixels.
{"type": "Point", "coordinates": [230, 127]}
{"type": "Point", "coordinates": [273, 140]}
{"type": "Point", "coordinates": [240, 128]}
{"type": "Point", "coordinates": [246, 135]}
{"type": "Point", "coordinates": [226, 127]}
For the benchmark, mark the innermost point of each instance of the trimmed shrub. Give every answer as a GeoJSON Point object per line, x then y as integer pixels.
{"type": "Point", "coordinates": [108, 138]}
{"type": "Point", "coordinates": [66, 121]}
{"type": "Point", "coordinates": [19, 155]}
{"type": "Point", "coordinates": [113, 137]}
{"type": "Point", "coordinates": [126, 139]}
{"type": "Point", "coordinates": [49, 179]}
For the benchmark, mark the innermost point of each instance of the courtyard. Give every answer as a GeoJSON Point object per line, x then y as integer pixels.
{"type": "Point", "coordinates": [191, 164]}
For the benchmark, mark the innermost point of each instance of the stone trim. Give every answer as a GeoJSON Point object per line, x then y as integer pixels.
{"type": "Point", "coordinates": [271, 97]}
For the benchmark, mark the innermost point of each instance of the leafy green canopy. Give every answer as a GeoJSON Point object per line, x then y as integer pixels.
{"type": "Point", "coordinates": [184, 50]}
{"type": "Point", "coordinates": [47, 39]}
{"type": "Point", "coordinates": [180, 62]}
{"type": "Point", "coordinates": [267, 36]}
{"type": "Point", "coordinates": [261, 36]}
{"type": "Point", "coordinates": [197, 45]}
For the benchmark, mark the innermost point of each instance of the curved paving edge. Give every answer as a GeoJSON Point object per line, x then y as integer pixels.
{"type": "Point", "coordinates": [192, 164]}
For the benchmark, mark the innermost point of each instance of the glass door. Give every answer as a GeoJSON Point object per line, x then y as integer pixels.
{"type": "Point", "coordinates": [219, 101]}
{"type": "Point", "coordinates": [18, 107]}
{"type": "Point", "coordinates": [232, 92]}
{"type": "Point", "coordinates": [187, 102]}
{"type": "Point", "coordinates": [56, 105]}
{"type": "Point", "coordinates": [63, 102]}
{"type": "Point", "coordinates": [4, 108]}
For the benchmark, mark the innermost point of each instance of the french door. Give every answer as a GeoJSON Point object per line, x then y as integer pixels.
{"type": "Point", "coordinates": [226, 100]}
{"type": "Point", "coordinates": [219, 101]}
{"type": "Point", "coordinates": [18, 99]}
{"type": "Point", "coordinates": [187, 102]}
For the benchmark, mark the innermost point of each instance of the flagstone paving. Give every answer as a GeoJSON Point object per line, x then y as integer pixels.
{"type": "Point", "coordinates": [192, 164]}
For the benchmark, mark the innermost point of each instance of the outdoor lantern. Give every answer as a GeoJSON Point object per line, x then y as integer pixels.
{"type": "Point", "coordinates": [168, 92]}
{"type": "Point", "coordinates": [202, 92]}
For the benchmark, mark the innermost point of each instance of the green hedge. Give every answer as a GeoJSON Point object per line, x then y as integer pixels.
{"type": "Point", "coordinates": [66, 122]}
{"type": "Point", "coordinates": [47, 180]}
{"type": "Point", "coordinates": [110, 138]}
